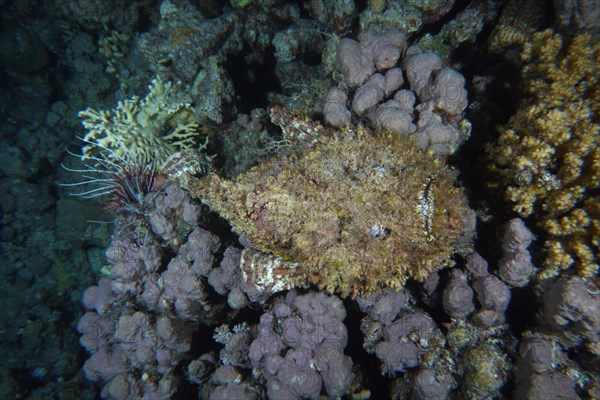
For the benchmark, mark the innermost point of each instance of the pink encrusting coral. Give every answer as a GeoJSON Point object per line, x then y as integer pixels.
{"type": "Point", "coordinates": [430, 106]}
{"type": "Point", "coordinates": [300, 347]}
{"type": "Point", "coordinates": [138, 325]}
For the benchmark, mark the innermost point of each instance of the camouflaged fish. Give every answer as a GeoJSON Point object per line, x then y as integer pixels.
{"type": "Point", "coordinates": [355, 212]}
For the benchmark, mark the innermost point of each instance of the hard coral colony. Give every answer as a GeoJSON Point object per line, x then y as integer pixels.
{"type": "Point", "coordinates": [128, 150]}
{"type": "Point", "coordinates": [548, 155]}
{"type": "Point", "coordinates": [154, 127]}
{"type": "Point", "coordinates": [326, 250]}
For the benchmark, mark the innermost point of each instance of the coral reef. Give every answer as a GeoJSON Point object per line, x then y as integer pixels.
{"type": "Point", "coordinates": [301, 80]}
{"type": "Point", "coordinates": [338, 14]}
{"type": "Point", "coordinates": [579, 16]}
{"type": "Point", "coordinates": [21, 50]}
{"type": "Point", "coordinates": [464, 28]}
{"type": "Point", "coordinates": [299, 348]}
{"type": "Point", "coordinates": [515, 267]}
{"type": "Point", "coordinates": [430, 107]}
{"type": "Point", "coordinates": [153, 128]}
{"type": "Point", "coordinates": [227, 382]}
{"type": "Point", "coordinates": [112, 47]}
{"type": "Point", "coordinates": [547, 156]}
{"type": "Point", "coordinates": [571, 308]}
{"type": "Point", "coordinates": [398, 336]}
{"type": "Point", "coordinates": [408, 342]}
{"type": "Point", "coordinates": [539, 374]}
{"type": "Point", "coordinates": [358, 211]}
{"type": "Point", "coordinates": [518, 21]}
{"type": "Point", "coordinates": [406, 15]}
{"type": "Point", "coordinates": [183, 306]}
{"type": "Point", "coordinates": [140, 319]}
{"type": "Point", "coordinates": [249, 133]}
{"type": "Point", "coordinates": [492, 294]}
{"type": "Point", "coordinates": [178, 39]}
{"type": "Point", "coordinates": [119, 13]}
{"type": "Point", "coordinates": [192, 49]}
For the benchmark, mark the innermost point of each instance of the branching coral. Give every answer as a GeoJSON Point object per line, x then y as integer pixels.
{"type": "Point", "coordinates": [548, 156]}
{"type": "Point", "coordinates": [517, 23]}
{"type": "Point", "coordinates": [127, 151]}
{"type": "Point", "coordinates": [151, 128]}
{"type": "Point", "coordinates": [111, 46]}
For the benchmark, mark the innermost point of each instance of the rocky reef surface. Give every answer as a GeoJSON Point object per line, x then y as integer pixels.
{"type": "Point", "coordinates": [270, 199]}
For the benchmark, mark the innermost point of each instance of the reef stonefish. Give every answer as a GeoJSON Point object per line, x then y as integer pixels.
{"type": "Point", "coordinates": [354, 213]}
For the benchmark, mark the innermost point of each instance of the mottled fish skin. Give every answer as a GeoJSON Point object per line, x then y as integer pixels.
{"type": "Point", "coordinates": [359, 212]}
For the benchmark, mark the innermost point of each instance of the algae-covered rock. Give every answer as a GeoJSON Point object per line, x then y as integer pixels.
{"type": "Point", "coordinates": [485, 371]}
{"type": "Point", "coordinates": [358, 211]}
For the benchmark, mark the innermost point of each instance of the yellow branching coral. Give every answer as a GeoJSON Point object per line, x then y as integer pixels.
{"type": "Point", "coordinates": [518, 21]}
{"type": "Point", "coordinates": [153, 128]}
{"type": "Point", "coordinates": [111, 46]}
{"type": "Point", "coordinates": [548, 155]}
